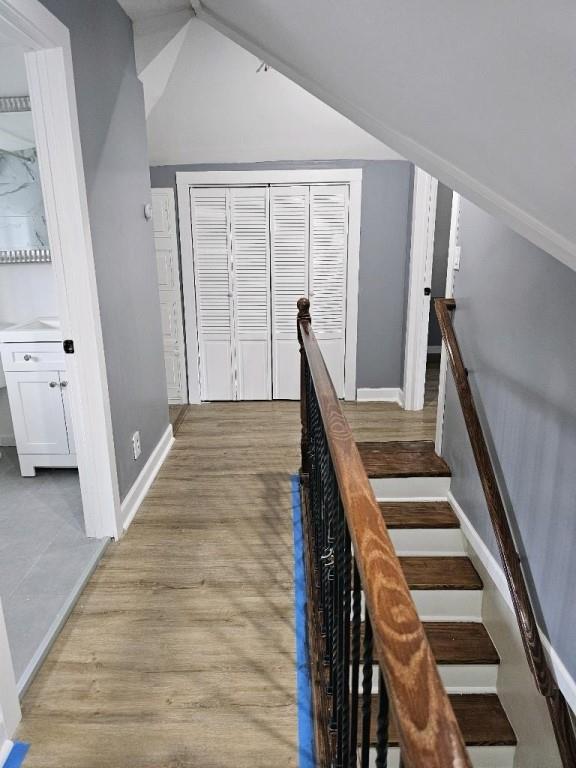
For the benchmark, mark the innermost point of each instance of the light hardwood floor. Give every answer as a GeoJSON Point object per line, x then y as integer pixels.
{"type": "Point", "coordinates": [180, 652]}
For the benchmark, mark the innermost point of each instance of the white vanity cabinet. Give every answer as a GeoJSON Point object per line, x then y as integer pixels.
{"type": "Point", "coordinates": [38, 396]}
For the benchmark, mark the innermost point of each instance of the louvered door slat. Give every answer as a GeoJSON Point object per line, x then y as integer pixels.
{"type": "Point", "coordinates": [251, 289]}
{"type": "Point", "coordinates": [289, 237]}
{"type": "Point", "coordinates": [328, 267]}
{"type": "Point", "coordinates": [211, 243]}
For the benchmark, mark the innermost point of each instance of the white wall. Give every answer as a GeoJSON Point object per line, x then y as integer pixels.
{"type": "Point", "coordinates": [217, 109]}
{"type": "Point", "coordinates": [479, 94]}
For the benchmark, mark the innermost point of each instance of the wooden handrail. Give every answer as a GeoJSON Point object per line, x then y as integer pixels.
{"type": "Point", "coordinates": [511, 562]}
{"type": "Point", "coordinates": [428, 731]}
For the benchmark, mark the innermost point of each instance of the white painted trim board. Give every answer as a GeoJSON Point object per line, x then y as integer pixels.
{"type": "Point", "coordinates": [187, 179]}
{"type": "Point", "coordinates": [137, 493]}
{"type": "Point", "coordinates": [452, 266]}
{"type": "Point", "coordinates": [420, 276]}
{"type": "Point", "coordinates": [380, 395]}
{"type": "Point", "coordinates": [5, 749]}
{"type": "Point", "coordinates": [565, 681]}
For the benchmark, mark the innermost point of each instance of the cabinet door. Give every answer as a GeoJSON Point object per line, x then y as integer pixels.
{"type": "Point", "coordinates": [214, 306]}
{"type": "Point", "coordinates": [37, 412]}
{"type": "Point", "coordinates": [289, 238]}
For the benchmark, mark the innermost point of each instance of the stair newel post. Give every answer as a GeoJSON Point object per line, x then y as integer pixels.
{"type": "Point", "coordinates": [304, 318]}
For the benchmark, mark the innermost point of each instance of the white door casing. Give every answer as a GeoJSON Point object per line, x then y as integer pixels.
{"type": "Point", "coordinates": [420, 277]}
{"type": "Point", "coordinates": [453, 265]}
{"type": "Point", "coordinates": [169, 286]}
{"type": "Point", "coordinates": [290, 248]}
{"type": "Point", "coordinates": [186, 180]}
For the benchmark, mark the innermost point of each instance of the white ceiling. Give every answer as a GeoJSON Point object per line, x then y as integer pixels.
{"type": "Point", "coordinates": [481, 94]}
{"type": "Point", "coordinates": [144, 9]}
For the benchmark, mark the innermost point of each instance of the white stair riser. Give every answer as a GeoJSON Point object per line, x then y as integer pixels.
{"type": "Point", "coordinates": [457, 678]}
{"type": "Point", "coordinates": [410, 488]}
{"type": "Point", "coordinates": [425, 541]}
{"type": "Point", "coordinates": [481, 757]}
{"type": "Point", "coordinates": [448, 604]}
{"type": "Point", "coordinates": [445, 604]}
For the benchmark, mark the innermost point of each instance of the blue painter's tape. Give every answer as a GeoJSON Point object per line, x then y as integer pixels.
{"type": "Point", "coordinates": [303, 684]}
{"type": "Point", "coordinates": [17, 755]}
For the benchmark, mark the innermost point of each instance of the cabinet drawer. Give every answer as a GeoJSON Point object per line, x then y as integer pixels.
{"type": "Point", "coordinates": [39, 356]}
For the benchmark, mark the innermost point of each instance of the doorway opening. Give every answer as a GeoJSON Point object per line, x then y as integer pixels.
{"type": "Point", "coordinates": [58, 479]}
{"type": "Point", "coordinates": [433, 259]}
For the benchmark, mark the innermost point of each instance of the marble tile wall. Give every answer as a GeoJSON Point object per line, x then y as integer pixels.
{"type": "Point", "coordinates": [22, 217]}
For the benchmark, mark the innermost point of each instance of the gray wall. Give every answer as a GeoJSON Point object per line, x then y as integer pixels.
{"type": "Point", "coordinates": [114, 151]}
{"type": "Point", "coordinates": [440, 258]}
{"type": "Point", "coordinates": [515, 320]}
{"type": "Point", "coordinates": [384, 255]}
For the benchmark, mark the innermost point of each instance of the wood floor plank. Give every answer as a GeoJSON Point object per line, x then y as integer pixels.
{"type": "Point", "coordinates": [402, 458]}
{"type": "Point", "coordinates": [180, 651]}
{"type": "Point", "coordinates": [480, 716]}
{"type": "Point", "coordinates": [459, 642]}
{"type": "Point", "coordinates": [418, 514]}
{"type": "Point", "coordinates": [440, 573]}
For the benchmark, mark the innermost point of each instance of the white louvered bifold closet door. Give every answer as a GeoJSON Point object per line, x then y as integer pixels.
{"type": "Point", "coordinates": [289, 240]}
{"type": "Point", "coordinates": [328, 268]}
{"type": "Point", "coordinates": [212, 275]}
{"type": "Point", "coordinates": [251, 292]}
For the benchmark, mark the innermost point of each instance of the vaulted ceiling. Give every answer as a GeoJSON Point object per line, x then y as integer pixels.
{"type": "Point", "coordinates": [481, 94]}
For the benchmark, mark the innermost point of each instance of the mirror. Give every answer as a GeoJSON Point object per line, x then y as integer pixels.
{"type": "Point", "coordinates": [23, 232]}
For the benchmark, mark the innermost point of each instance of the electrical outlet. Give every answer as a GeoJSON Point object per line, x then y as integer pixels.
{"type": "Point", "coordinates": [136, 447]}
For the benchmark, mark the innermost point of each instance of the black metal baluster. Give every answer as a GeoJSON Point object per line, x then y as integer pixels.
{"type": "Point", "coordinates": [382, 724]}
{"type": "Point", "coordinates": [340, 570]}
{"type": "Point", "coordinates": [347, 563]}
{"type": "Point", "coordinates": [355, 661]}
{"type": "Point", "coordinates": [366, 692]}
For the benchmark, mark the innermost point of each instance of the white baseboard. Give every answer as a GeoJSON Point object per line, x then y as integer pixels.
{"type": "Point", "coordinates": [435, 350]}
{"type": "Point", "coordinates": [564, 679]}
{"type": "Point", "coordinates": [137, 493]}
{"type": "Point", "coordinates": [380, 394]}
{"type": "Point", "coordinates": [5, 750]}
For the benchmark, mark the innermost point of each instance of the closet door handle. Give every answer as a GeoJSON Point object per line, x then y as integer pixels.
{"type": "Point", "coordinates": [63, 383]}
{"type": "Point", "coordinates": [27, 357]}
{"type": "Point", "coordinates": [53, 384]}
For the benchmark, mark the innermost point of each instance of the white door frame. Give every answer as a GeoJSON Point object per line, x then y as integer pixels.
{"type": "Point", "coordinates": [420, 277]}
{"type": "Point", "coordinates": [54, 112]}
{"type": "Point", "coordinates": [453, 265]}
{"type": "Point", "coordinates": [187, 179]}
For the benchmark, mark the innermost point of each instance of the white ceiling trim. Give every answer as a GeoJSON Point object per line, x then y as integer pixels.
{"type": "Point", "coordinates": [517, 218]}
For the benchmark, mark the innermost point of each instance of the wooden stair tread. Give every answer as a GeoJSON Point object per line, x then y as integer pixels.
{"type": "Point", "coordinates": [480, 716]}
{"type": "Point", "coordinates": [458, 642]}
{"type": "Point", "coordinates": [418, 514]}
{"type": "Point", "coordinates": [402, 458]}
{"type": "Point", "coordinates": [440, 573]}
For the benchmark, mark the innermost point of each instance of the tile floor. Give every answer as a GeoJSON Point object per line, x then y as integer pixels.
{"type": "Point", "coordinates": [45, 557]}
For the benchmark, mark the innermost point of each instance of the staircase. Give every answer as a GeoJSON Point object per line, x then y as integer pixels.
{"type": "Point", "coordinates": [411, 482]}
